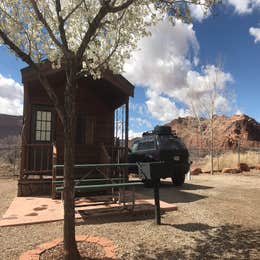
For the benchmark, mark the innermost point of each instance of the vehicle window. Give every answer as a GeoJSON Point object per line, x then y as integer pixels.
{"type": "Point", "coordinates": [134, 147]}
{"type": "Point", "coordinates": [171, 142]}
{"type": "Point", "coordinates": [146, 145]}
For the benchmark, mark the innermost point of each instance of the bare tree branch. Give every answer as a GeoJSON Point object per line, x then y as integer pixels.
{"type": "Point", "coordinates": [121, 7]}
{"type": "Point", "coordinates": [73, 10]}
{"type": "Point", "coordinates": [44, 22]}
{"type": "Point", "coordinates": [105, 8]}
{"type": "Point", "coordinates": [26, 58]}
{"type": "Point", "coordinates": [61, 26]}
{"type": "Point", "coordinates": [43, 79]}
{"type": "Point", "coordinates": [91, 31]}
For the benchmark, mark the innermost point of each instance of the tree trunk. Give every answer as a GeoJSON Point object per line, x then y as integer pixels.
{"type": "Point", "coordinates": [211, 146]}
{"type": "Point", "coordinates": [70, 246]}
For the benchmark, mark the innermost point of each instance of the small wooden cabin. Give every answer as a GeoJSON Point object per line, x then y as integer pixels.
{"type": "Point", "coordinates": [102, 124]}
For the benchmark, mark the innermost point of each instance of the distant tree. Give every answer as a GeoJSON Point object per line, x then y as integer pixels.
{"type": "Point", "coordinates": [86, 37]}
{"type": "Point", "coordinates": [211, 98]}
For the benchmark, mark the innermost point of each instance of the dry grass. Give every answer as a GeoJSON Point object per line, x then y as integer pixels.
{"type": "Point", "coordinates": [230, 160]}
{"type": "Point", "coordinates": [7, 169]}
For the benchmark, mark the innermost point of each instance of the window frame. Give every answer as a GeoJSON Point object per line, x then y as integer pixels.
{"type": "Point", "coordinates": [42, 108]}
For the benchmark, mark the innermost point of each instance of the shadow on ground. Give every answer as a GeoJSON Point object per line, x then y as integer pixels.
{"type": "Point", "coordinates": [106, 216]}
{"type": "Point", "coordinates": [185, 186]}
{"type": "Point", "coordinates": [190, 227]}
{"type": "Point", "coordinates": [172, 194]}
{"type": "Point", "coordinates": [224, 242]}
{"type": "Point", "coordinates": [168, 193]}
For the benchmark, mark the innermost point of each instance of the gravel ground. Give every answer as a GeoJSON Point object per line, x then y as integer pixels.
{"type": "Point", "coordinates": [88, 251]}
{"type": "Point", "coordinates": [217, 218]}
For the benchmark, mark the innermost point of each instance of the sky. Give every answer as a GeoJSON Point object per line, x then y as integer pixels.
{"type": "Point", "coordinates": [177, 66]}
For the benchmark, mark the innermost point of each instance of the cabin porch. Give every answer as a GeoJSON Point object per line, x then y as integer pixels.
{"type": "Point", "coordinates": [39, 173]}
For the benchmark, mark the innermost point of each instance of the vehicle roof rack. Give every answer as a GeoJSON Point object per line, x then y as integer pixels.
{"type": "Point", "coordinates": [147, 133]}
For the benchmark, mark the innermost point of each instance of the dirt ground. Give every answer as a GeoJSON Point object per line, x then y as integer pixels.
{"type": "Point", "coordinates": [218, 217]}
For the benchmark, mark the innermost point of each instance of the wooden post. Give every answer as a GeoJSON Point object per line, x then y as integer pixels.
{"type": "Point", "coordinates": [126, 127]}
{"type": "Point", "coordinates": [54, 170]}
{"type": "Point", "coordinates": [157, 202]}
{"type": "Point", "coordinates": [25, 134]}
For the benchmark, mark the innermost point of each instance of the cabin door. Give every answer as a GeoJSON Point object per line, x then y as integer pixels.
{"type": "Point", "coordinates": [40, 158]}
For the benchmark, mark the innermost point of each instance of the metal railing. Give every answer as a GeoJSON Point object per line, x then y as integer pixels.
{"type": "Point", "coordinates": [225, 158]}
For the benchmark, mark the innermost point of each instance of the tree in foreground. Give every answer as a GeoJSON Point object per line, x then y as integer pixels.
{"type": "Point", "coordinates": [85, 37]}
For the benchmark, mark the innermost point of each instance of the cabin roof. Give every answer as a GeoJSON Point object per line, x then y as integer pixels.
{"type": "Point", "coordinates": [117, 80]}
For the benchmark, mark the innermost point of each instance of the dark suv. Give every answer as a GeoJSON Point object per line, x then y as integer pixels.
{"type": "Point", "coordinates": [161, 145]}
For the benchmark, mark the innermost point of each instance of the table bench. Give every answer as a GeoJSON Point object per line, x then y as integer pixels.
{"type": "Point", "coordinates": [103, 186]}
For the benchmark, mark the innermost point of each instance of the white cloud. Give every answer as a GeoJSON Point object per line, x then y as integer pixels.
{"type": "Point", "coordinates": [202, 88]}
{"type": "Point", "coordinates": [141, 122]}
{"type": "Point", "coordinates": [132, 134]}
{"type": "Point", "coordinates": [11, 96]}
{"type": "Point", "coordinates": [163, 108]}
{"type": "Point", "coordinates": [199, 12]}
{"type": "Point", "coordinates": [161, 62]}
{"type": "Point", "coordinates": [165, 65]}
{"type": "Point", "coordinates": [241, 6]}
{"type": "Point", "coordinates": [255, 32]}
{"type": "Point", "coordinates": [244, 6]}
{"type": "Point", "coordinates": [239, 112]}
{"type": "Point", "coordinates": [138, 108]}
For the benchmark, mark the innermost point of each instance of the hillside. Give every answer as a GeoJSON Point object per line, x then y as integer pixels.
{"type": "Point", "coordinates": [224, 131]}
{"type": "Point", "coordinates": [10, 125]}
{"type": "Point", "coordinates": [185, 127]}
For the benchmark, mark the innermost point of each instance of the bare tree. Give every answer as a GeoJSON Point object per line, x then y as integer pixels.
{"type": "Point", "coordinates": [212, 97]}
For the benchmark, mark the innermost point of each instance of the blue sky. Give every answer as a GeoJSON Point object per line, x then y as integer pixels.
{"type": "Point", "coordinates": [160, 90]}
{"type": "Point", "coordinates": [228, 35]}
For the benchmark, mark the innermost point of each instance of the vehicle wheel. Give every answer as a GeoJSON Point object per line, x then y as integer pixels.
{"type": "Point", "coordinates": [178, 180]}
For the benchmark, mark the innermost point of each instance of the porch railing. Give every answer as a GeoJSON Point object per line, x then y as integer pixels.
{"type": "Point", "coordinates": [38, 159]}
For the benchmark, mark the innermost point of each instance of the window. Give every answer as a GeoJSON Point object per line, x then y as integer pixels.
{"type": "Point", "coordinates": [146, 145]}
{"type": "Point", "coordinates": [43, 122]}
{"type": "Point", "coordinates": [134, 147]}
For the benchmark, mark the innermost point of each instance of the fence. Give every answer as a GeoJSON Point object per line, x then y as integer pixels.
{"type": "Point", "coordinates": [10, 158]}
{"type": "Point", "coordinates": [225, 158]}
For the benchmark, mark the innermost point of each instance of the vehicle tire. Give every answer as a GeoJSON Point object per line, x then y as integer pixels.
{"type": "Point", "coordinates": [178, 180]}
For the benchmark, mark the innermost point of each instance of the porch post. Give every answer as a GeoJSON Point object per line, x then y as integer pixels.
{"type": "Point", "coordinates": [126, 127]}
{"type": "Point", "coordinates": [54, 173]}
{"type": "Point", "coordinates": [25, 139]}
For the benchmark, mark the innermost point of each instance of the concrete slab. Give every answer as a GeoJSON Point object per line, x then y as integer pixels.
{"type": "Point", "coordinates": [32, 210]}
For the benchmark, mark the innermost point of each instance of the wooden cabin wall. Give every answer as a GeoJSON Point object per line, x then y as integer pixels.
{"type": "Point", "coordinates": [96, 99]}
{"type": "Point", "coordinates": [89, 104]}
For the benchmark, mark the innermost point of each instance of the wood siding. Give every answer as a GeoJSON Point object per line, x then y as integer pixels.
{"type": "Point", "coordinates": [95, 99]}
